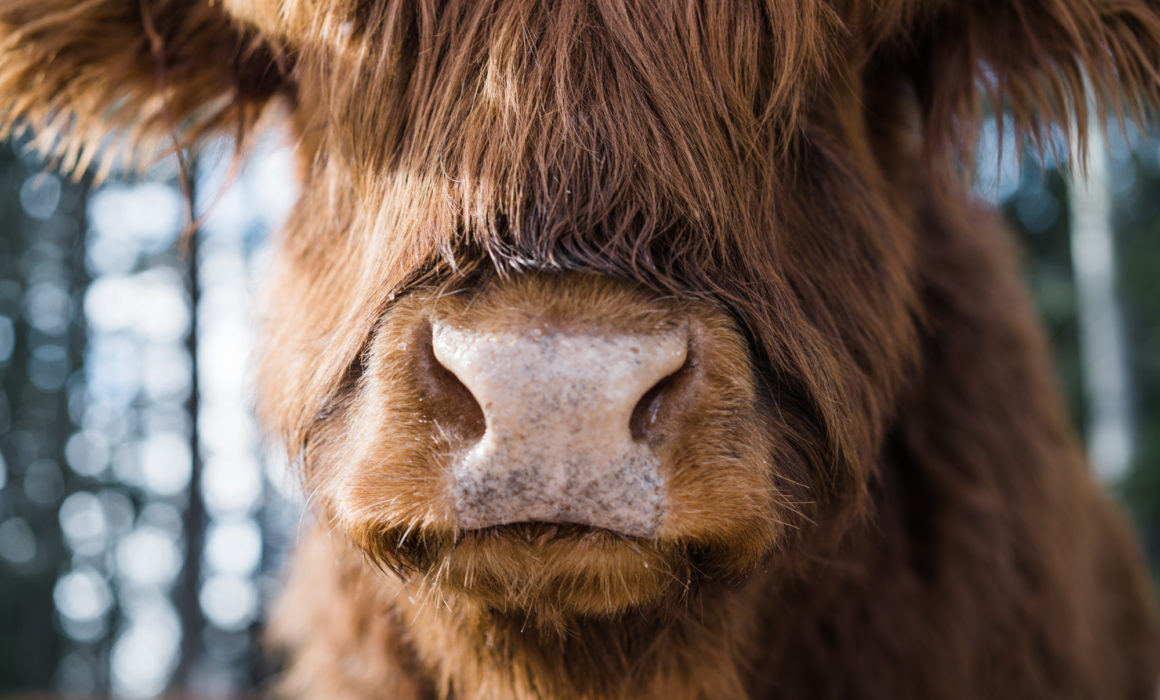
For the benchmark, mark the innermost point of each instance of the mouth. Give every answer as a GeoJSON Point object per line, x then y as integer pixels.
{"type": "Point", "coordinates": [551, 569]}
{"type": "Point", "coordinates": [541, 534]}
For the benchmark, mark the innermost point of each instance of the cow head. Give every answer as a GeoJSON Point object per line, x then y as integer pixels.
{"type": "Point", "coordinates": [584, 304]}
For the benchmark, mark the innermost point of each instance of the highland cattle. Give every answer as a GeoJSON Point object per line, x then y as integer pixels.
{"type": "Point", "coordinates": [649, 348]}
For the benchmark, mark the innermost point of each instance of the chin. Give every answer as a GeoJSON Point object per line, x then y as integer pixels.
{"type": "Point", "coordinates": [550, 574]}
{"type": "Point", "coordinates": [551, 570]}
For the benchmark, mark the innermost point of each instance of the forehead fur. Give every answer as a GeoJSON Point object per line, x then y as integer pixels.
{"type": "Point", "coordinates": [578, 133]}
{"type": "Point", "coordinates": [557, 135]}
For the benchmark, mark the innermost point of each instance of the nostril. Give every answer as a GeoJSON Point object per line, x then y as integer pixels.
{"type": "Point", "coordinates": [657, 404]}
{"type": "Point", "coordinates": [446, 400]}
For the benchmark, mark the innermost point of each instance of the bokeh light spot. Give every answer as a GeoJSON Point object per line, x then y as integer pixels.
{"type": "Point", "coordinates": [43, 482]}
{"type": "Point", "coordinates": [234, 546]}
{"type": "Point", "coordinates": [82, 520]}
{"type": "Point", "coordinates": [48, 307]}
{"type": "Point", "coordinates": [145, 652]}
{"type": "Point", "coordinates": [87, 453]}
{"type": "Point", "coordinates": [165, 463]}
{"type": "Point", "coordinates": [7, 339]}
{"type": "Point", "coordinates": [147, 556]}
{"type": "Point", "coordinates": [48, 367]}
{"type": "Point", "coordinates": [231, 484]}
{"type": "Point", "coordinates": [228, 601]}
{"type": "Point", "coordinates": [40, 195]}
{"type": "Point", "coordinates": [82, 595]}
{"type": "Point", "coordinates": [17, 543]}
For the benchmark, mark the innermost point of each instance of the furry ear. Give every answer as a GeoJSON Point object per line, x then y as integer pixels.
{"type": "Point", "coordinates": [1034, 58]}
{"type": "Point", "coordinates": [128, 75]}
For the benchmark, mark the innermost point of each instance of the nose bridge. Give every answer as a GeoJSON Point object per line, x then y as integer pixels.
{"type": "Point", "coordinates": [557, 406]}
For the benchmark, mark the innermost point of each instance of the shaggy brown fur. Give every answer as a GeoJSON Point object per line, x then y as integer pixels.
{"type": "Point", "coordinates": [880, 497]}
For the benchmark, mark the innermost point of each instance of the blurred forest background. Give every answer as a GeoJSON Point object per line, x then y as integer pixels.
{"type": "Point", "coordinates": [142, 524]}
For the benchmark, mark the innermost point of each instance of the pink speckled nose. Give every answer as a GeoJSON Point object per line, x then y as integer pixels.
{"type": "Point", "coordinates": [558, 445]}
